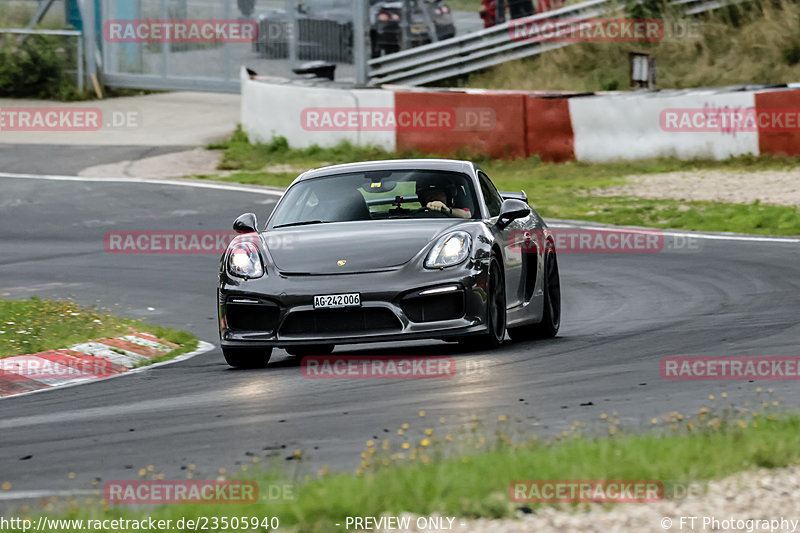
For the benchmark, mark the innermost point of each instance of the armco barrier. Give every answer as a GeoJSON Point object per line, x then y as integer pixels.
{"type": "Point", "coordinates": [504, 137]}
{"type": "Point", "coordinates": [779, 142]}
{"type": "Point", "coordinates": [548, 129]}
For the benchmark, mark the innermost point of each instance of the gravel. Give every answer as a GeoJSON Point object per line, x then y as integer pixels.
{"type": "Point", "coordinates": [757, 495]}
{"type": "Point", "coordinates": [768, 186]}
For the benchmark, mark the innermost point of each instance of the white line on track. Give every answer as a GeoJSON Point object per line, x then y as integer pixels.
{"type": "Point", "coordinates": [695, 234]}
{"type": "Point", "coordinates": [179, 183]}
{"type": "Point", "coordinates": [37, 494]}
{"type": "Point", "coordinates": [273, 192]}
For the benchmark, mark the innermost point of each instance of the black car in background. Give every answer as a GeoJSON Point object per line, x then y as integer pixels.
{"type": "Point", "coordinates": [430, 20]}
{"type": "Point", "coordinates": [325, 29]}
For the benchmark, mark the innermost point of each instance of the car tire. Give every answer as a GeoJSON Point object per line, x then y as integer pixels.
{"type": "Point", "coordinates": [551, 312]}
{"type": "Point", "coordinates": [314, 349]}
{"type": "Point", "coordinates": [495, 307]}
{"type": "Point", "coordinates": [247, 357]}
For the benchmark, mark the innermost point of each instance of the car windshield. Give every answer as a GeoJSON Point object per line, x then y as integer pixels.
{"type": "Point", "coordinates": [377, 195]}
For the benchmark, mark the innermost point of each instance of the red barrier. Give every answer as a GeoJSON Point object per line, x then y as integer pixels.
{"type": "Point", "coordinates": [778, 142]}
{"type": "Point", "coordinates": [486, 124]}
{"type": "Point", "coordinates": [549, 129]}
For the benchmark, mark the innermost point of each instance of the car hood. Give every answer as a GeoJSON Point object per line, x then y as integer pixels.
{"type": "Point", "coordinates": [363, 246]}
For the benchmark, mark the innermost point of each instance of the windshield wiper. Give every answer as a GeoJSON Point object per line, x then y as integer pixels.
{"type": "Point", "coordinates": [304, 223]}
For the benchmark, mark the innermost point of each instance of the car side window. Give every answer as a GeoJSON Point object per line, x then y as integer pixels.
{"type": "Point", "coordinates": [490, 195]}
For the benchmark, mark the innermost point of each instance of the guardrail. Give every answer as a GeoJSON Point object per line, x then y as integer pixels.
{"type": "Point", "coordinates": [492, 46]}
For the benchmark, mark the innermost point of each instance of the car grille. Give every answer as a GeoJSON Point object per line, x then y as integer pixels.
{"type": "Point", "coordinates": [341, 321]}
{"type": "Point", "coordinates": [434, 307]}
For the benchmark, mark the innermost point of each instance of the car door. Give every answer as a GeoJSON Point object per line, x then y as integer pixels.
{"type": "Point", "coordinates": [512, 255]}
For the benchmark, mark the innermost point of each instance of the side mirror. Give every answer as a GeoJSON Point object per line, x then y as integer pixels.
{"type": "Point", "coordinates": [246, 223]}
{"type": "Point", "coordinates": [511, 210]}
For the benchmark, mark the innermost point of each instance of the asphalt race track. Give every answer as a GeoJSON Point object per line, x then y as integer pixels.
{"type": "Point", "coordinates": [622, 314]}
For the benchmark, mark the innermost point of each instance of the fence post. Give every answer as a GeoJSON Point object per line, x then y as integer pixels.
{"type": "Point", "coordinates": [89, 37]}
{"type": "Point", "coordinates": [361, 43]}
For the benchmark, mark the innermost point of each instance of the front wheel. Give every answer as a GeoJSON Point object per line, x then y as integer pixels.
{"type": "Point", "coordinates": [551, 313]}
{"type": "Point", "coordinates": [247, 357]}
{"type": "Point", "coordinates": [495, 307]}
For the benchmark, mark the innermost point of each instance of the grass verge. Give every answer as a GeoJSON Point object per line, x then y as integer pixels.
{"type": "Point", "coordinates": [36, 325]}
{"type": "Point", "coordinates": [557, 190]}
{"type": "Point", "coordinates": [468, 478]}
{"type": "Point", "coordinates": [752, 42]}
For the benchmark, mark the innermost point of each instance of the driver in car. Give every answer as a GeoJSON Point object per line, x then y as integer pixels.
{"type": "Point", "coordinates": [435, 198]}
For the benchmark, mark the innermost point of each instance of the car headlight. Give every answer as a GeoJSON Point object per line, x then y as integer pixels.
{"type": "Point", "coordinates": [244, 261]}
{"type": "Point", "coordinates": [450, 250]}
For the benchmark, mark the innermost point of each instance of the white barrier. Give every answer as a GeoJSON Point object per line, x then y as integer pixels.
{"type": "Point", "coordinates": [276, 109]}
{"type": "Point", "coordinates": [627, 127]}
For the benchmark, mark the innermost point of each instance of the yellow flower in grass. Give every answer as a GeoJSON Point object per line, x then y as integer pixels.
{"type": "Point", "coordinates": [425, 442]}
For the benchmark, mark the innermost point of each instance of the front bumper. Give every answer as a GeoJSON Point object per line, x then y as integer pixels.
{"type": "Point", "coordinates": [400, 304]}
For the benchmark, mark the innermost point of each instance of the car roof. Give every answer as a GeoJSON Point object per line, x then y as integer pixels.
{"type": "Point", "coordinates": [452, 165]}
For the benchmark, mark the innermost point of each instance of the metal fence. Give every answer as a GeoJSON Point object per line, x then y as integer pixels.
{"type": "Point", "coordinates": [325, 34]}
{"type": "Point", "coordinates": [70, 47]}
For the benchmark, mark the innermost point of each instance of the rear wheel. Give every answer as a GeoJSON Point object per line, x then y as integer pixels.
{"type": "Point", "coordinates": [551, 313]}
{"type": "Point", "coordinates": [306, 350]}
{"type": "Point", "coordinates": [247, 357]}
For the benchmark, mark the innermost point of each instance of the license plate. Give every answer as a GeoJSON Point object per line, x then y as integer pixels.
{"type": "Point", "coordinates": [419, 28]}
{"type": "Point", "coordinates": [333, 301]}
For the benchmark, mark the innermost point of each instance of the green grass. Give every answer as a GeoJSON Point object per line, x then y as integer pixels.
{"type": "Point", "coordinates": [35, 325]}
{"type": "Point", "coordinates": [751, 43]}
{"type": "Point", "coordinates": [557, 190]}
{"type": "Point", "coordinates": [467, 477]}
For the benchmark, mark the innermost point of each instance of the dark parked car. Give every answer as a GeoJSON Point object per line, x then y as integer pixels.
{"type": "Point", "coordinates": [428, 18]}
{"type": "Point", "coordinates": [325, 28]}
{"type": "Point", "coordinates": [387, 251]}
